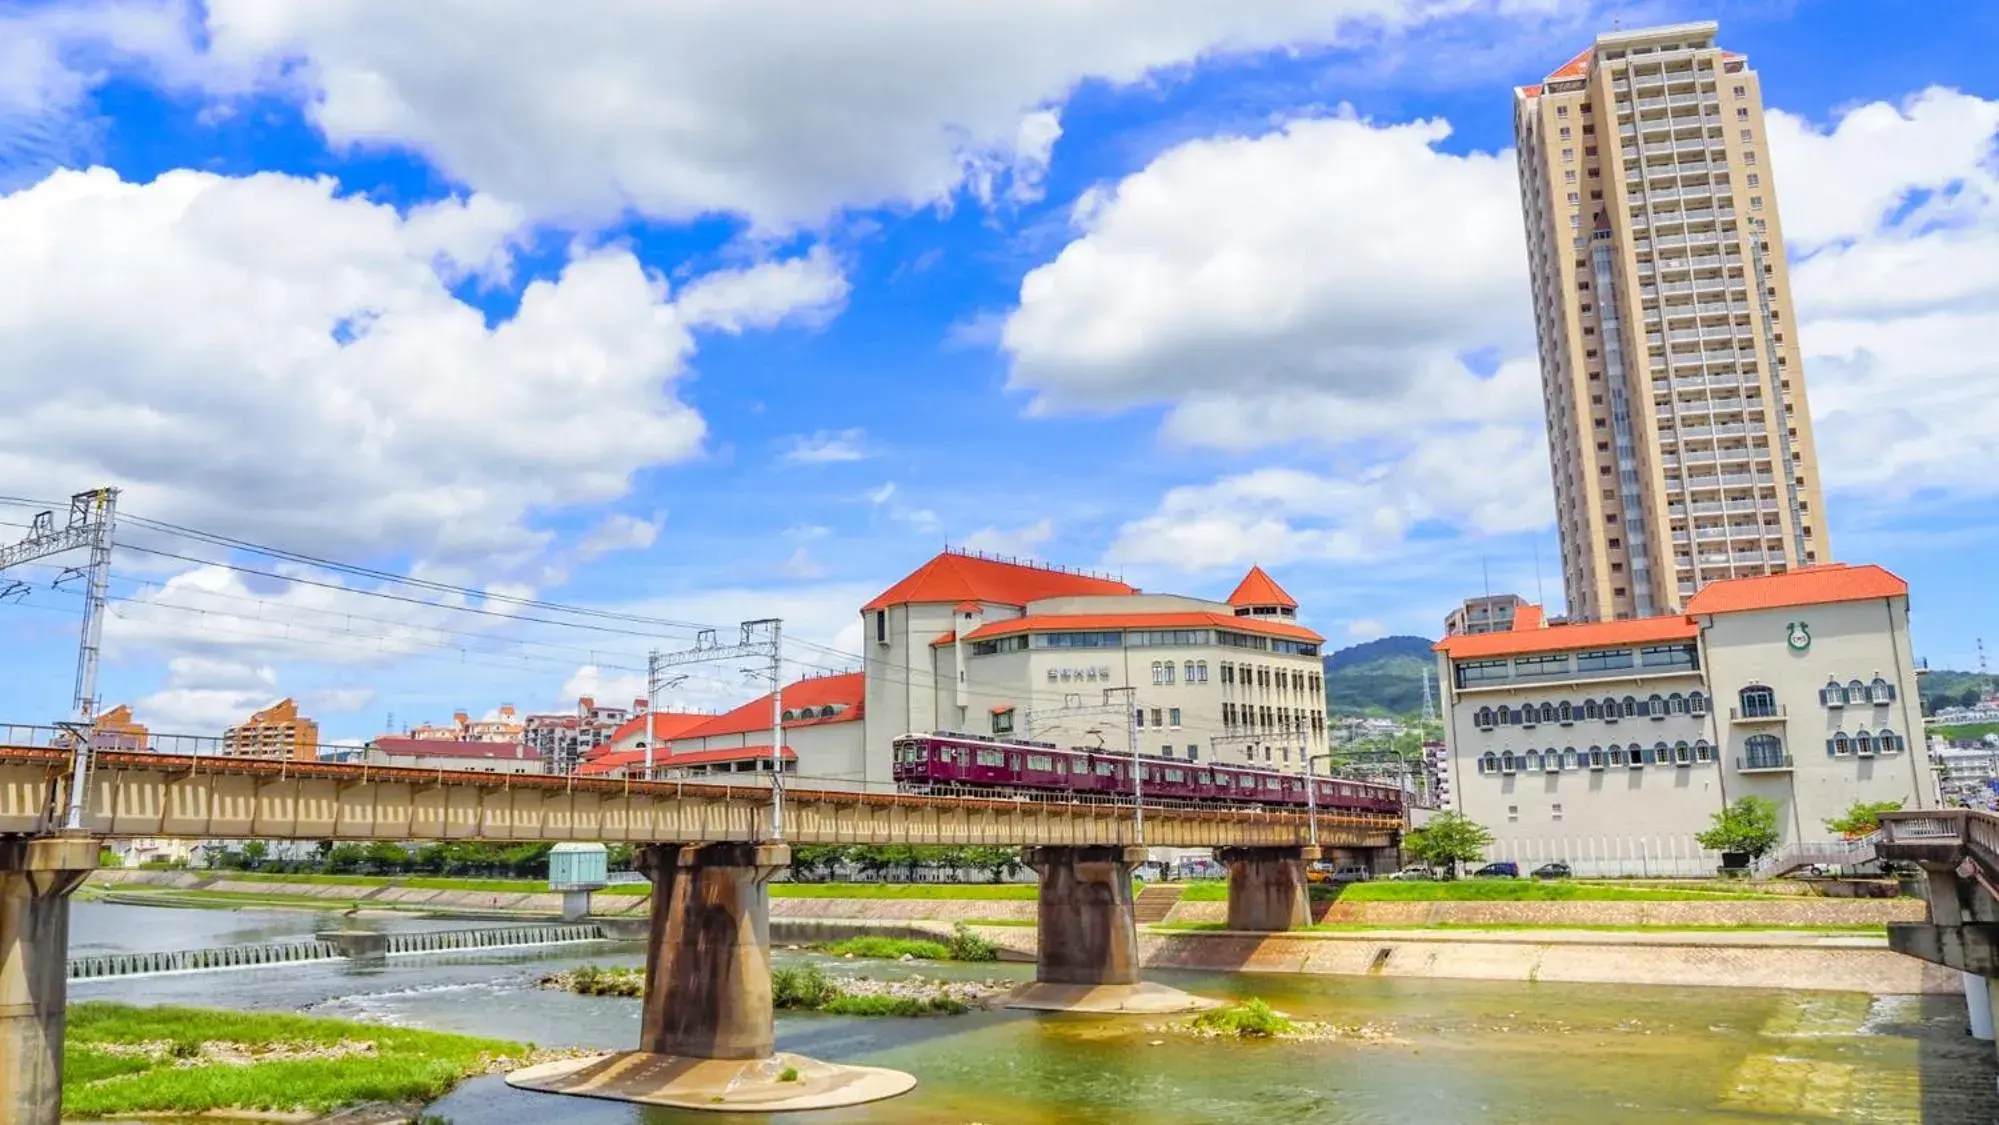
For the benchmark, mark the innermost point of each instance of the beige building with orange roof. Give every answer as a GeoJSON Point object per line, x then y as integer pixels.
{"type": "Point", "coordinates": [277, 731]}
{"type": "Point", "coordinates": [1610, 745]}
{"type": "Point", "coordinates": [1679, 434]}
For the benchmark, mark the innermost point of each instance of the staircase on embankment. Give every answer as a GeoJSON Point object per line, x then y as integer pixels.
{"type": "Point", "coordinates": [1155, 901]}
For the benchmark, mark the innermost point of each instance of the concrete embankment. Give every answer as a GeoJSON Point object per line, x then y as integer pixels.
{"type": "Point", "coordinates": [1708, 912]}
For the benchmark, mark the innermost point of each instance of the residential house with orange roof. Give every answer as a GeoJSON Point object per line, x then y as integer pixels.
{"type": "Point", "coordinates": [1610, 745]}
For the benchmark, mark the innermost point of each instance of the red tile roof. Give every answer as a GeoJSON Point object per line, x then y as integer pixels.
{"type": "Point", "coordinates": [1258, 588]}
{"type": "Point", "coordinates": [952, 578]}
{"type": "Point", "coordinates": [664, 759]}
{"type": "Point", "coordinates": [446, 748]}
{"type": "Point", "coordinates": [1811, 585]}
{"type": "Point", "coordinates": [1194, 619]}
{"type": "Point", "coordinates": [1562, 638]}
{"type": "Point", "coordinates": [665, 725]}
{"type": "Point", "coordinates": [1528, 617]}
{"type": "Point", "coordinates": [846, 690]}
{"type": "Point", "coordinates": [1530, 91]}
{"type": "Point", "coordinates": [1574, 68]}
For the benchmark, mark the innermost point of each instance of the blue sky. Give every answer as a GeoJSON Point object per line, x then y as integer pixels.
{"type": "Point", "coordinates": [716, 312]}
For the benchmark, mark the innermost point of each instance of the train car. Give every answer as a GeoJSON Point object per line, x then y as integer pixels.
{"type": "Point", "coordinates": [947, 761]}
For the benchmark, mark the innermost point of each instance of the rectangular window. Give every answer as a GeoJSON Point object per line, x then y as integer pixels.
{"type": "Point", "coordinates": [1003, 721]}
{"type": "Point", "coordinates": [1609, 660]}
{"type": "Point", "coordinates": [1538, 666]}
{"type": "Point", "coordinates": [1483, 671]}
{"type": "Point", "coordinates": [881, 627]}
{"type": "Point", "coordinates": [1078, 640]}
{"type": "Point", "coordinates": [1138, 718]}
{"type": "Point", "coordinates": [1166, 751]}
{"type": "Point", "coordinates": [1193, 753]}
{"type": "Point", "coordinates": [1668, 656]}
{"type": "Point", "coordinates": [1173, 718]}
{"type": "Point", "coordinates": [1157, 716]}
{"type": "Point", "coordinates": [1002, 644]}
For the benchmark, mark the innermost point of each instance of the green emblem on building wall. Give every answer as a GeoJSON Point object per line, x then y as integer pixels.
{"type": "Point", "coordinates": [1800, 637]}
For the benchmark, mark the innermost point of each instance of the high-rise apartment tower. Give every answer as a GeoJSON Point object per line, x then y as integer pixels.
{"type": "Point", "coordinates": [1677, 425]}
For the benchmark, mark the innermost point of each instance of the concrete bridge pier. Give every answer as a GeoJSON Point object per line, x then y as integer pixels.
{"type": "Point", "coordinates": [1267, 887]}
{"type": "Point", "coordinates": [1086, 952]}
{"type": "Point", "coordinates": [37, 875]}
{"type": "Point", "coordinates": [706, 1032]}
{"type": "Point", "coordinates": [708, 991]}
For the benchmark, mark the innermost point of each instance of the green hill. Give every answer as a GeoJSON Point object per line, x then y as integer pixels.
{"type": "Point", "coordinates": [1380, 676]}
{"type": "Point", "coordinates": [1945, 688]}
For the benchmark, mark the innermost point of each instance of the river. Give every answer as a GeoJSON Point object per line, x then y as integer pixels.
{"type": "Point", "coordinates": [1460, 1052]}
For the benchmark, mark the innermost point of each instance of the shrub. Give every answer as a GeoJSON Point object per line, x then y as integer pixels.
{"type": "Point", "coordinates": [878, 1005]}
{"type": "Point", "coordinates": [965, 945]}
{"type": "Point", "coordinates": [1251, 1019]}
{"type": "Point", "coordinates": [788, 1074]}
{"type": "Point", "coordinates": [889, 949]}
{"type": "Point", "coordinates": [802, 986]}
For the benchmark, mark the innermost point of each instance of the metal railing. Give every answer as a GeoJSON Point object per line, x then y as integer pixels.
{"type": "Point", "coordinates": [1763, 762]}
{"type": "Point", "coordinates": [1755, 714]}
{"type": "Point", "coordinates": [1829, 853]}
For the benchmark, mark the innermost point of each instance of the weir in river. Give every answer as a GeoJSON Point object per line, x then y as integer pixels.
{"type": "Point", "coordinates": [329, 947]}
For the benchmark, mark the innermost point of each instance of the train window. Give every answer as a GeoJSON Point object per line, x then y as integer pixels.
{"type": "Point", "coordinates": [988, 758]}
{"type": "Point", "coordinates": [1040, 762]}
{"type": "Point", "coordinates": [1105, 769]}
{"type": "Point", "coordinates": [1270, 783]}
{"type": "Point", "coordinates": [1204, 778]}
{"type": "Point", "coordinates": [1176, 776]}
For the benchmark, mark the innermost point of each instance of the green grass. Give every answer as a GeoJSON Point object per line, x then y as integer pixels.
{"type": "Point", "coordinates": [406, 1065]}
{"type": "Point", "coordinates": [1967, 731]}
{"type": "Point", "coordinates": [412, 882]}
{"type": "Point", "coordinates": [988, 891]}
{"type": "Point", "coordinates": [1251, 1019]}
{"type": "Point", "coordinates": [889, 949]}
{"type": "Point", "coordinates": [894, 1006]}
{"type": "Point", "coordinates": [1528, 890]}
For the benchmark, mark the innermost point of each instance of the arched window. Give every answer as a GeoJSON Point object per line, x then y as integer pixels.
{"type": "Point", "coordinates": [1489, 763]}
{"type": "Point", "coordinates": [1856, 692]}
{"type": "Point", "coordinates": [1592, 709]}
{"type": "Point", "coordinates": [1832, 695]}
{"type": "Point", "coordinates": [1697, 703]}
{"type": "Point", "coordinates": [1758, 703]}
{"type": "Point", "coordinates": [1483, 718]}
{"type": "Point", "coordinates": [1891, 742]}
{"type": "Point", "coordinates": [1840, 746]}
{"type": "Point", "coordinates": [1547, 712]}
{"type": "Point", "coordinates": [1762, 752]}
{"type": "Point", "coordinates": [1568, 757]}
{"type": "Point", "coordinates": [1881, 691]}
{"type": "Point", "coordinates": [1611, 710]}
{"type": "Point", "coordinates": [1683, 754]}
{"type": "Point", "coordinates": [1565, 714]}
{"type": "Point", "coordinates": [1676, 703]}
{"type": "Point", "coordinates": [1617, 755]}
{"type": "Point", "coordinates": [1863, 743]}
{"type": "Point", "coordinates": [1662, 754]}
{"type": "Point", "coordinates": [1506, 762]}
{"type": "Point", "coordinates": [1702, 751]}
{"type": "Point", "coordinates": [1188, 672]}
{"type": "Point", "coordinates": [827, 711]}
{"type": "Point", "coordinates": [1630, 707]}
{"type": "Point", "coordinates": [1531, 761]}
{"type": "Point", "coordinates": [789, 714]}
{"type": "Point", "coordinates": [1201, 666]}
{"type": "Point", "coordinates": [1655, 706]}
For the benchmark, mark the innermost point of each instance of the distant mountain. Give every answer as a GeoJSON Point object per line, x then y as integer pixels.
{"type": "Point", "coordinates": [1945, 688]}
{"type": "Point", "coordinates": [1384, 675]}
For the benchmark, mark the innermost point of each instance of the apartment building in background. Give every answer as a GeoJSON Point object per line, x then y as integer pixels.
{"type": "Point", "coordinates": [1492, 613]}
{"type": "Point", "coordinates": [278, 731]}
{"type": "Point", "coordinates": [117, 730]}
{"type": "Point", "coordinates": [504, 726]}
{"type": "Point", "coordinates": [1680, 440]}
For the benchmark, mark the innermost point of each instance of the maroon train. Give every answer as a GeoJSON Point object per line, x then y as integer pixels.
{"type": "Point", "coordinates": [948, 761]}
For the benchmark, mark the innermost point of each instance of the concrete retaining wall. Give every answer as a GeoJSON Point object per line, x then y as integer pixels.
{"type": "Point", "coordinates": [1752, 912]}
{"type": "Point", "coordinates": [940, 909]}
{"type": "Point", "coordinates": [1611, 961]}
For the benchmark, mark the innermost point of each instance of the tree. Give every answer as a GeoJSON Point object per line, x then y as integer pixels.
{"type": "Point", "coordinates": [1862, 818]}
{"type": "Point", "coordinates": [344, 858]}
{"type": "Point", "coordinates": [999, 862]}
{"type": "Point", "coordinates": [809, 858]}
{"type": "Point", "coordinates": [255, 853]}
{"type": "Point", "coordinates": [1748, 826]}
{"type": "Point", "coordinates": [1449, 839]}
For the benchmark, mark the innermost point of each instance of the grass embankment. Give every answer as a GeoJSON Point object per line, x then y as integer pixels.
{"type": "Point", "coordinates": [808, 988]}
{"type": "Point", "coordinates": [962, 945]}
{"type": "Point", "coordinates": [1964, 731]}
{"type": "Point", "coordinates": [1533, 890]}
{"type": "Point", "coordinates": [989, 891]}
{"type": "Point", "coordinates": [121, 1059]}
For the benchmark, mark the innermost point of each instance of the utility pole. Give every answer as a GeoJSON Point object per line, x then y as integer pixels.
{"type": "Point", "coordinates": [1429, 701]}
{"type": "Point", "coordinates": [1073, 708]}
{"type": "Point", "coordinates": [92, 516]}
{"type": "Point", "coordinates": [763, 637]}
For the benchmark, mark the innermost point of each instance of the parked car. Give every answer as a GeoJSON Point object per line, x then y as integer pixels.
{"type": "Point", "coordinates": [1351, 873]}
{"type": "Point", "coordinates": [1556, 870]}
{"type": "Point", "coordinates": [1504, 869]}
{"type": "Point", "coordinates": [1202, 869]}
{"type": "Point", "coordinates": [1415, 871]}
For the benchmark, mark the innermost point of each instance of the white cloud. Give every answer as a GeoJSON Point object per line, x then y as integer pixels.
{"type": "Point", "coordinates": [783, 110]}
{"type": "Point", "coordinates": [1019, 542]}
{"type": "Point", "coordinates": [1366, 629]}
{"type": "Point", "coordinates": [801, 564]}
{"type": "Point", "coordinates": [1892, 218]}
{"type": "Point", "coordinates": [285, 363]}
{"type": "Point", "coordinates": [827, 447]}
{"type": "Point", "coordinates": [809, 290]}
{"type": "Point", "coordinates": [612, 689]}
{"type": "Point", "coordinates": [205, 695]}
{"type": "Point", "coordinates": [618, 532]}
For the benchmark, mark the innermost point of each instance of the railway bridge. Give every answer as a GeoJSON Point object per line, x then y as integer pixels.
{"type": "Point", "coordinates": [710, 851]}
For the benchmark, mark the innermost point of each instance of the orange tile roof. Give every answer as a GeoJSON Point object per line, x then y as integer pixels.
{"type": "Point", "coordinates": [1562, 638]}
{"type": "Point", "coordinates": [663, 759]}
{"type": "Point", "coordinates": [1194, 619]}
{"type": "Point", "coordinates": [665, 725]}
{"type": "Point", "coordinates": [952, 578]}
{"type": "Point", "coordinates": [1258, 588]}
{"type": "Point", "coordinates": [1530, 91]}
{"type": "Point", "coordinates": [1529, 616]}
{"type": "Point", "coordinates": [1811, 585]}
{"type": "Point", "coordinates": [846, 689]}
{"type": "Point", "coordinates": [1574, 68]}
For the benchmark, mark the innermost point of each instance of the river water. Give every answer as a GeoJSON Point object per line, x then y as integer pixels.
{"type": "Point", "coordinates": [1456, 1051]}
